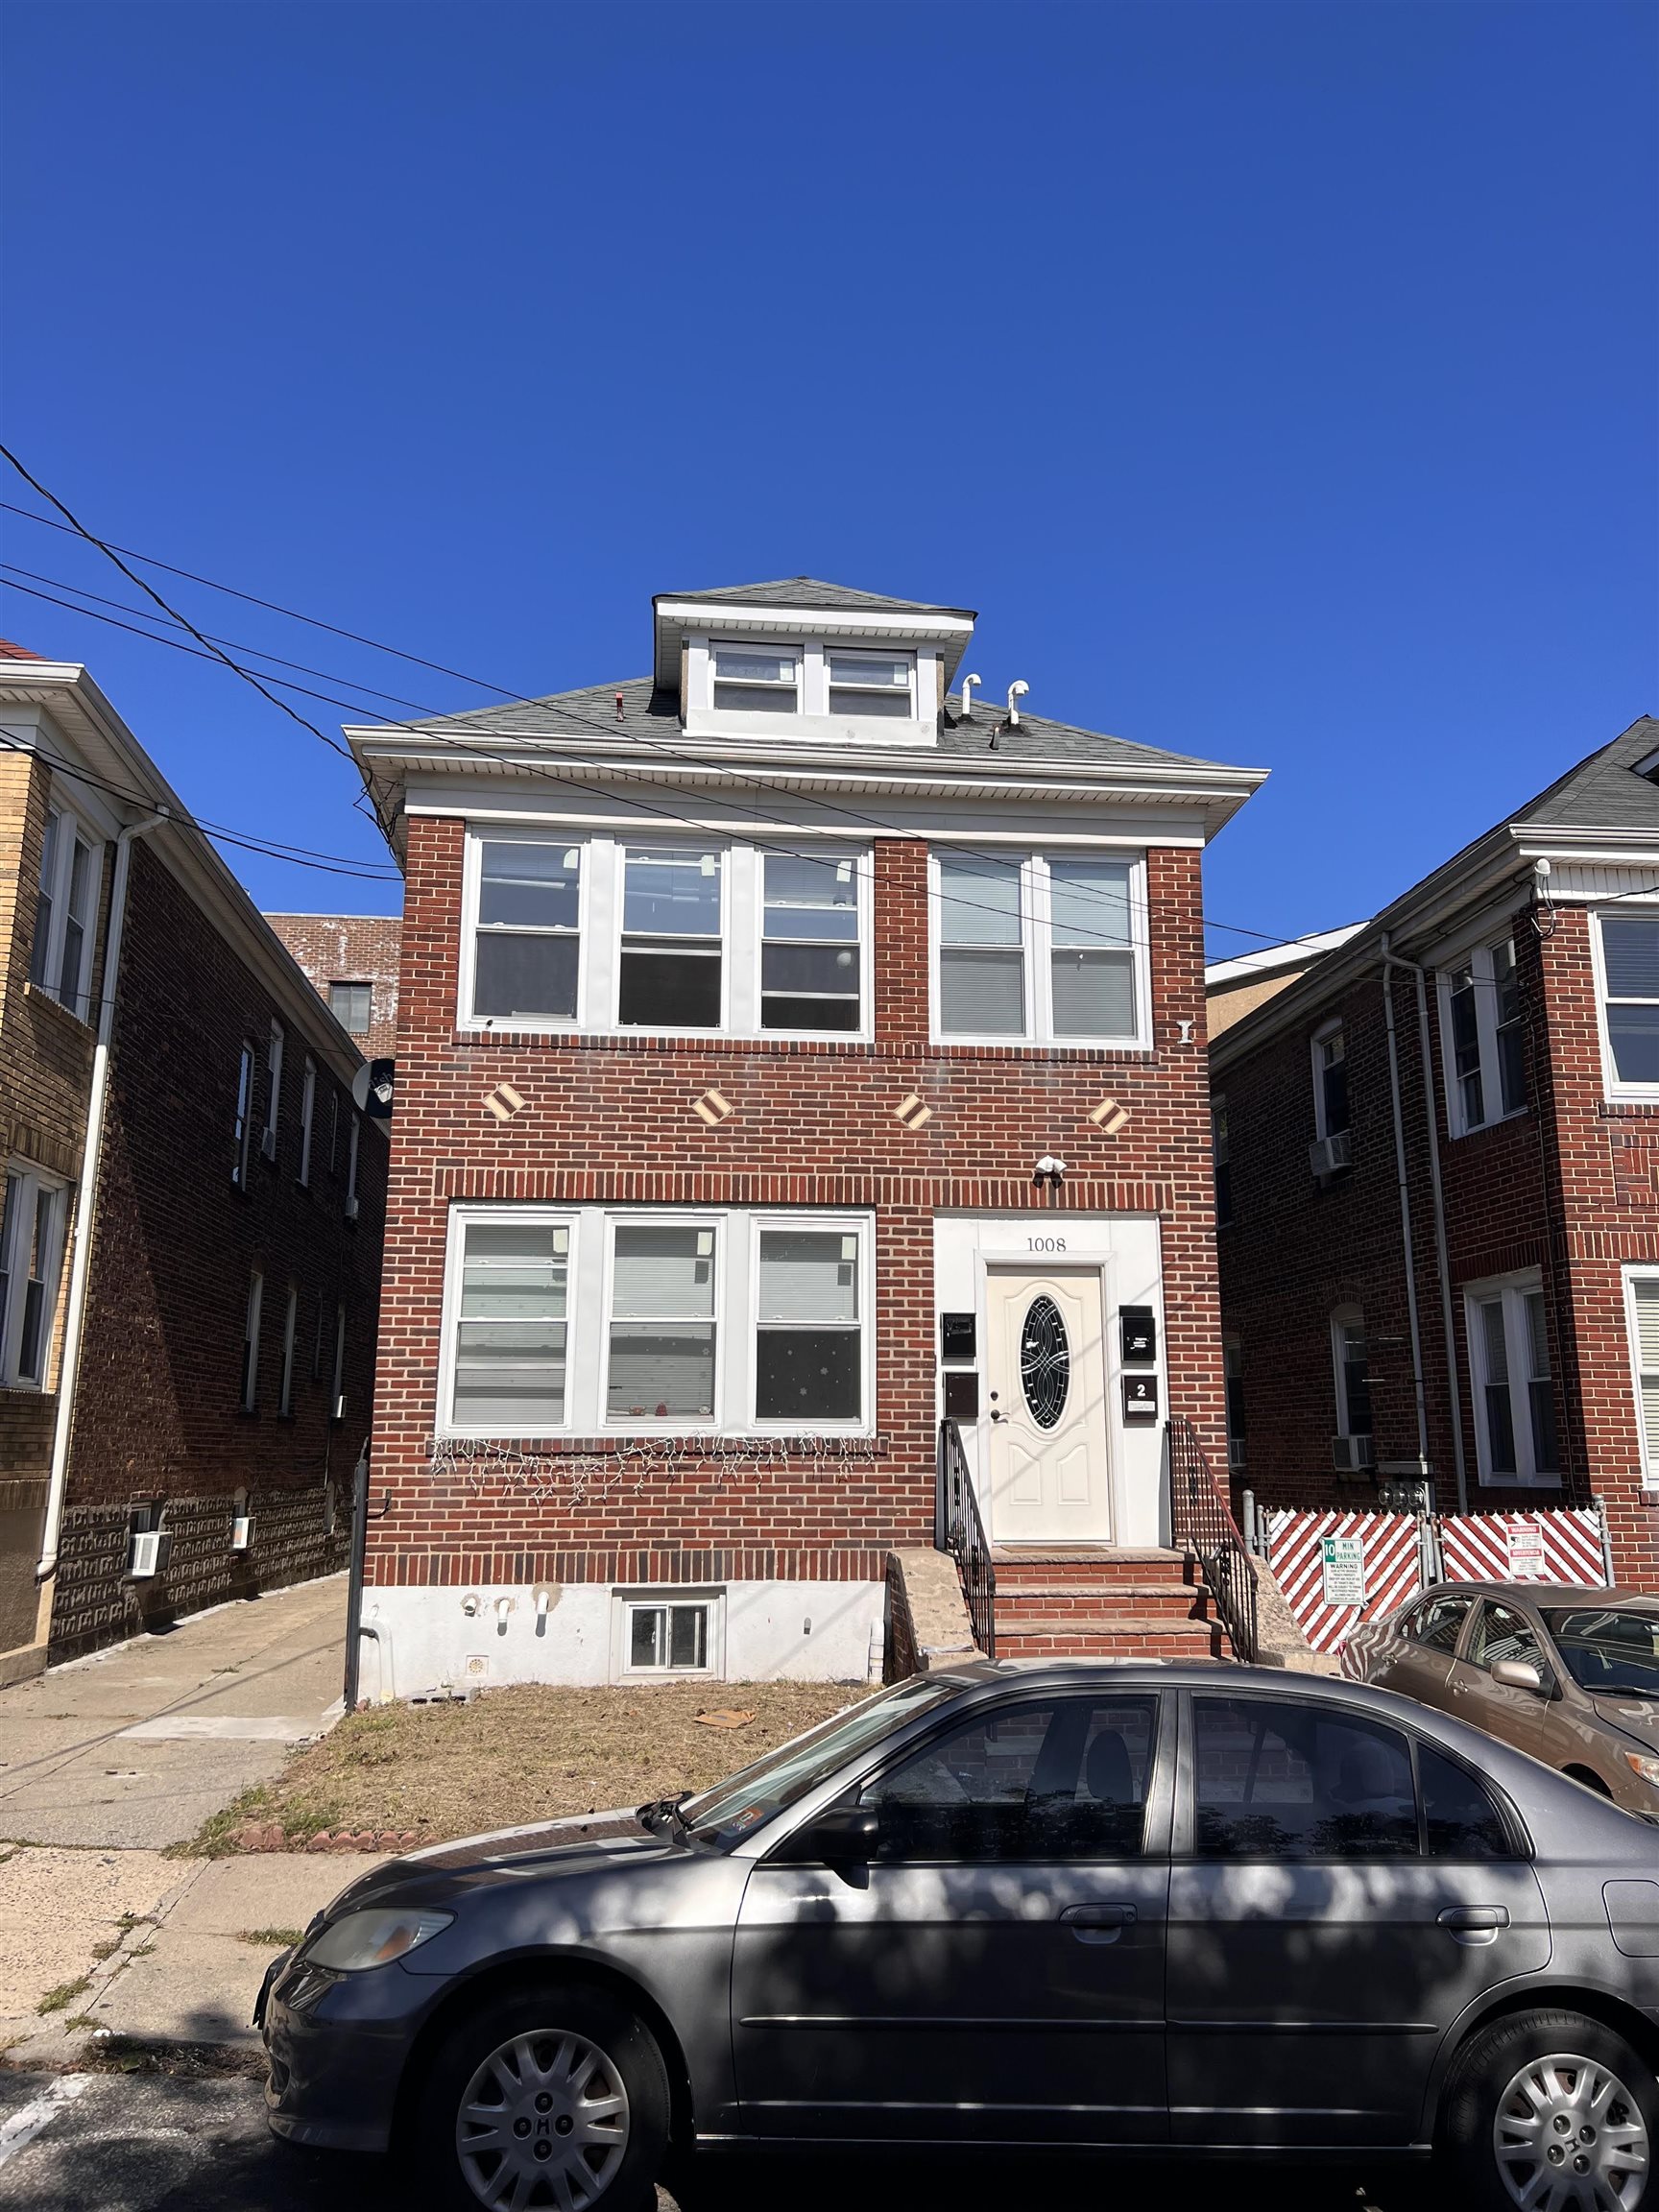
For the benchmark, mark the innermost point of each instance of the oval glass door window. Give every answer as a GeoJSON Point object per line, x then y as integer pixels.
{"type": "Point", "coordinates": [1045, 1361]}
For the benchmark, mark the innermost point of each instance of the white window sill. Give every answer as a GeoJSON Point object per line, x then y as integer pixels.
{"type": "Point", "coordinates": [1515, 1114]}
{"type": "Point", "coordinates": [1126, 1044]}
{"type": "Point", "coordinates": [1520, 1482]}
{"type": "Point", "coordinates": [579, 1032]}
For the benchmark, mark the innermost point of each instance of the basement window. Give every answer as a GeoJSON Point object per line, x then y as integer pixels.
{"type": "Point", "coordinates": [670, 1633]}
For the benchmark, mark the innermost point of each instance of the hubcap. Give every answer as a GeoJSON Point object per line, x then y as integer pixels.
{"type": "Point", "coordinates": [543, 2121]}
{"type": "Point", "coordinates": [1569, 2137]}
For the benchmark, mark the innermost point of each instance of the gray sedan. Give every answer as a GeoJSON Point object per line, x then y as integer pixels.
{"type": "Point", "coordinates": [1568, 1674]}
{"type": "Point", "coordinates": [1167, 1908]}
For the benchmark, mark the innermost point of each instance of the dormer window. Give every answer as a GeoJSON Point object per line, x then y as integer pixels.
{"type": "Point", "coordinates": [872, 684]}
{"type": "Point", "coordinates": [751, 680]}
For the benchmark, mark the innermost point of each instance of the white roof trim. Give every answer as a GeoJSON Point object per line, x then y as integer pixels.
{"type": "Point", "coordinates": [1295, 951]}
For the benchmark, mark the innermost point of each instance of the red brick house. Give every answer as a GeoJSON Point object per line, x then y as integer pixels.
{"type": "Point", "coordinates": [1439, 1182]}
{"type": "Point", "coordinates": [747, 1011]}
{"type": "Point", "coordinates": [190, 1238]}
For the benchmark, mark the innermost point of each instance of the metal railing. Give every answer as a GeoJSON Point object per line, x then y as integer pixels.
{"type": "Point", "coordinates": [1201, 1520]}
{"type": "Point", "coordinates": [958, 1529]}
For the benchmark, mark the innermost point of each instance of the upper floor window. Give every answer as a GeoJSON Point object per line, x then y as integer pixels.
{"type": "Point", "coordinates": [32, 1225]}
{"type": "Point", "coordinates": [1642, 1319]}
{"type": "Point", "coordinates": [1630, 1001]}
{"type": "Point", "coordinates": [1353, 1372]}
{"type": "Point", "coordinates": [273, 1090]}
{"type": "Point", "coordinates": [244, 1126]}
{"type": "Point", "coordinates": [1509, 1363]}
{"type": "Point", "coordinates": [307, 1118]}
{"type": "Point", "coordinates": [1222, 1155]}
{"type": "Point", "coordinates": [64, 914]}
{"type": "Point", "coordinates": [249, 1398]}
{"type": "Point", "coordinates": [1331, 1080]}
{"type": "Point", "coordinates": [1233, 1380]}
{"type": "Point", "coordinates": [756, 679]}
{"type": "Point", "coordinates": [865, 684]}
{"type": "Point", "coordinates": [1485, 1039]}
{"type": "Point", "coordinates": [1046, 947]}
{"type": "Point", "coordinates": [671, 937]}
{"type": "Point", "coordinates": [351, 1005]}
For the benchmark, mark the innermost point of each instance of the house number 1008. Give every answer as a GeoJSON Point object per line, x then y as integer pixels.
{"type": "Point", "coordinates": [1044, 1243]}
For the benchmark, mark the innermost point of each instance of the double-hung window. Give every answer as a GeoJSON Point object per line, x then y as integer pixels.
{"type": "Point", "coordinates": [1630, 965]}
{"type": "Point", "coordinates": [1044, 947]}
{"type": "Point", "coordinates": [1330, 1081]}
{"type": "Point", "coordinates": [62, 952]}
{"type": "Point", "coordinates": [512, 1327]}
{"type": "Point", "coordinates": [351, 1005]}
{"type": "Point", "coordinates": [32, 1226]}
{"type": "Point", "coordinates": [1642, 1319]}
{"type": "Point", "coordinates": [810, 954]}
{"type": "Point", "coordinates": [273, 1090]}
{"type": "Point", "coordinates": [244, 1123]}
{"type": "Point", "coordinates": [526, 943]}
{"type": "Point", "coordinates": [873, 683]}
{"type": "Point", "coordinates": [758, 679]}
{"type": "Point", "coordinates": [1514, 1400]}
{"type": "Point", "coordinates": [251, 1343]}
{"type": "Point", "coordinates": [670, 967]}
{"type": "Point", "coordinates": [307, 1118]}
{"type": "Point", "coordinates": [351, 1152]}
{"type": "Point", "coordinates": [1221, 1158]}
{"type": "Point", "coordinates": [661, 1353]}
{"type": "Point", "coordinates": [290, 1330]}
{"type": "Point", "coordinates": [808, 1338]}
{"type": "Point", "coordinates": [1353, 1372]}
{"type": "Point", "coordinates": [1485, 1038]}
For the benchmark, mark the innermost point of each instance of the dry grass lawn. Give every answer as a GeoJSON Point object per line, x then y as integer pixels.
{"type": "Point", "coordinates": [518, 1755]}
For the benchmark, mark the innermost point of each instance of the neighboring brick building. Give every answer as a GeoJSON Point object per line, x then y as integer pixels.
{"type": "Point", "coordinates": [218, 1323]}
{"type": "Point", "coordinates": [1539, 947]}
{"type": "Point", "coordinates": [351, 961]}
{"type": "Point", "coordinates": [739, 1006]}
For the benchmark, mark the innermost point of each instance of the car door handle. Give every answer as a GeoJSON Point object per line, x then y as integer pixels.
{"type": "Point", "coordinates": [1474, 1923]}
{"type": "Point", "coordinates": [1097, 1923]}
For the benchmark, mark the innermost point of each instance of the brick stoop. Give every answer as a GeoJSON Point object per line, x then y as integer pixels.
{"type": "Point", "coordinates": [1083, 1603]}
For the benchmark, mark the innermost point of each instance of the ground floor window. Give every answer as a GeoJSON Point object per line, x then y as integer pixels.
{"type": "Point", "coordinates": [588, 1318]}
{"type": "Point", "coordinates": [669, 1631]}
{"type": "Point", "coordinates": [31, 1225]}
{"type": "Point", "coordinates": [1511, 1372]}
{"type": "Point", "coordinates": [1641, 1316]}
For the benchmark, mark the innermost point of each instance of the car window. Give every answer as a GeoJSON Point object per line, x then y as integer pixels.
{"type": "Point", "coordinates": [1063, 1779]}
{"type": "Point", "coordinates": [1603, 1649]}
{"type": "Point", "coordinates": [1503, 1633]}
{"type": "Point", "coordinates": [1438, 1623]}
{"type": "Point", "coordinates": [1461, 1821]}
{"type": "Point", "coordinates": [1275, 1779]}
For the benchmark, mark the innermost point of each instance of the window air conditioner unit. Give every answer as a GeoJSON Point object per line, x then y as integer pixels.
{"type": "Point", "coordinates": [1236, 1452]}
{"type": "Point", "coordinates": [1353, 1454]}
{"type": "Point", "coordinates": [268, 1144]}
{"type": "Point", "coordinates": [241, 1532]}
{"type": "Point", "coordinates": [1326, 1154]}
{"type": "Point", "coordinates": [149, 1553]}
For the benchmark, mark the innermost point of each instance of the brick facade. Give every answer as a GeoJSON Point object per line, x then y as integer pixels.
{"type": "Point", "coordinates": [1569, 1188]}
{"type": "Point", "coordinates": [351, 949]}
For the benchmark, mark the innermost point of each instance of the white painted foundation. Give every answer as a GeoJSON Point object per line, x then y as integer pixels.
{"type": "Point", "coordinates": [766, 1631]}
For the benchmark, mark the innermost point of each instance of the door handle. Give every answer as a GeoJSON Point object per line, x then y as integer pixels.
{"type": "Point", "coordinates": [1473, 1923]}
{"type": "Point", "coordinates": [1097, 1923]}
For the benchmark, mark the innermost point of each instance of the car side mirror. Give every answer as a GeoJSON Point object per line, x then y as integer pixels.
{"type": "Point", "coordinates": [1518, 1675]}
{"type": "Point", "coordinates": [846, 1835]}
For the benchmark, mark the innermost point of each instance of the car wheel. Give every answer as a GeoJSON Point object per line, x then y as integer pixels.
{"type": "Point", "coordinates": [555, 2097]}
{"type": "Point", "coordinates": [1551, 2112]}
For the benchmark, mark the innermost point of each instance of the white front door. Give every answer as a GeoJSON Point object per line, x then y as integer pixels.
{"type": "Point", "coordinates": [1049, 1477]}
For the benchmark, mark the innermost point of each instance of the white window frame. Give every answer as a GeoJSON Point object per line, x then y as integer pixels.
{"type": "Point", "coordinates": [308, 1121]}
{"type": "Point", "coordinates": [1514, 1290]}
{"type": "Point", "coordinates": [1612, 1086]}
{"type": "Point", "coordinates": [626, 1601]}
{"type": "Point", "coordinates": [599, 927]}
{"type": "Point", "coordinates": [1321, 1036]}
{"type": "Point", "coordinates": [242, 1126]}
{"type": "Point", "coordinates": [47, 954]}
{"type": "Point", "coordinates": [831, 651]}
{"type": "Point", "coordinates": [794, 646]}
{"type": "Point", "coordinates": [33, 1184]}
{"type": "Point", "coordinates": [337, 1397]}
{"type": "Point", "coordinates": [588, 1315]}
{"type": "Point", "coordinates": [353, 1144]}
{"type": "Point", "coordinates": [290, 1332]}
{"type": "Point", "coordinates": [1632, 1276]}
{"type": "Point", "coordinates": [1477, 960]}
{"type": "Point", "coordinates": [1037, 946]}
{"type": "Point", "coordinates": [1342, 1318]}
{"type": "Point", "coordinates": [250, 1322]}
{"type": "Point", "coordinates": [273, 1091]}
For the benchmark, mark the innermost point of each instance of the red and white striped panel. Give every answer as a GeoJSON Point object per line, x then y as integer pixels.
{"type": "Point", "coordinates": [1480, 1547]}
{"type": "Point", "coordinates": [1393, 1568]}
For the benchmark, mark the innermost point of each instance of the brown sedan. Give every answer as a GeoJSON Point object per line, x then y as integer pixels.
{"type": "Point", "coordinates": [1568, 1674]}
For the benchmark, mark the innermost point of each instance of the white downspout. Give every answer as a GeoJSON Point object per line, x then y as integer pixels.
{"type": "Point", "coordinates": [86, 1202]}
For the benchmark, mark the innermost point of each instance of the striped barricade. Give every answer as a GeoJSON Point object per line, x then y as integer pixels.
{"type": "Point", "coordinates": [1338, 1569]}
{"type": "Point", "coordinates": [1560, 1545]}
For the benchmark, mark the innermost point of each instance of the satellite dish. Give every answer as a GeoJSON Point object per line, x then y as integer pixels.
{"type": "Point", "coordinates": [372, 1089]}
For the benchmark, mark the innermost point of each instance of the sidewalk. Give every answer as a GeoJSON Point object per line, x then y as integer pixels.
{"type": "Point", "coordinates": [110, 1760]}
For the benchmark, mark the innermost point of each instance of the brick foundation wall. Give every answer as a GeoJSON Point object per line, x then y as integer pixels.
{"type": "Point", "coordinates": [609, 1120]}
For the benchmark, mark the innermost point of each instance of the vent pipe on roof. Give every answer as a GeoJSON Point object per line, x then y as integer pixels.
{"type": "Point", "coordinates": [1016, 693]}
{"type": "Point", "coordinates": [968, 683]}
{"type": "Point", "coordinates": [618, 706]}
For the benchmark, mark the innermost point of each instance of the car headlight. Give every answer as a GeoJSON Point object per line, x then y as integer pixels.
{"type": "Point", "coordinates": [372, 1938]}
{"type": "Point", "coordinates": [1648, 1769]}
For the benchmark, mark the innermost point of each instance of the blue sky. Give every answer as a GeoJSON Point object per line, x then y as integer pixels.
{"type": "Point", "coordinates": [1277, 380]}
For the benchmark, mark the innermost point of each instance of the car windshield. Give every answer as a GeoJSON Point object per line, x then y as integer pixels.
{"type": "Point", "coordinates": [734, 1808]}
{"type": "Point", "coordinates": [1605, 1648]}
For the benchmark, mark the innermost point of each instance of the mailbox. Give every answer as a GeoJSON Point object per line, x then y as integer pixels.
{"type": "Point", "coordinates": [1139, 1397]}
{"type": "Point", "coordinates": [1139, 1325]}
{"type": "Point", "coordinates": [962, 1395]}
{"type": "Point", "coordinates": [957, 1336]}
